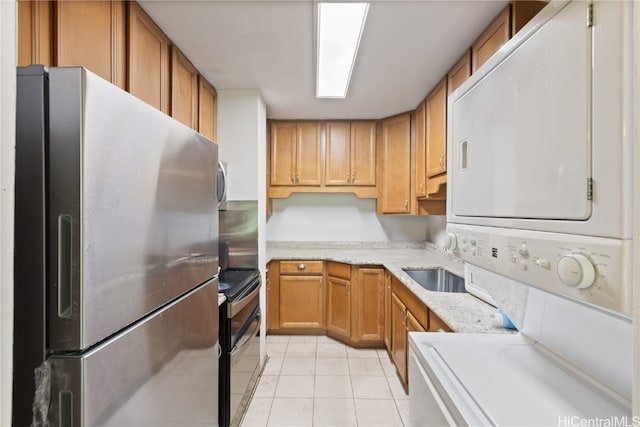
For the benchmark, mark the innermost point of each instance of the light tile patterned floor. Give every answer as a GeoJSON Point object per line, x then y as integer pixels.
{"type": "Point", "coordinates": [317, 381]}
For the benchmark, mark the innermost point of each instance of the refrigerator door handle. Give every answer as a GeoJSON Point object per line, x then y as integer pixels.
{"type": "Point", "coordinates": [65, 258]}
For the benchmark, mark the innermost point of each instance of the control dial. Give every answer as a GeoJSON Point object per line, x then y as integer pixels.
{"type": "Point", "coordinates": [577, 271]}
{"type": "Point", "coordinates": [450, 241]}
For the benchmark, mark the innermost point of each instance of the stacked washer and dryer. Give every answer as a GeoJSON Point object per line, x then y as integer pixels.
{"type": "Point", "coordinates": [540, 210]}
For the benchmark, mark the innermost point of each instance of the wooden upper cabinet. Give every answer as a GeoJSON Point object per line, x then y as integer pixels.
{"type": "Point", "coordinates": [184, 89]}
{"type": "Point", "coordinates": [308, 159]}
{"type": "Point", "coordinates": [394, 188]}
{"type": "Point", "coordinates": [421, 151]}
{"type": "Point", "coordinates": [522, 11]}
{"type": "Point", "coordinates": [283, 153]}
{"type": "Point", "coordinates": [92, 34]}
{"type": "Point", "coordinates": [295, 153]}
{"type": "Point", "coordinates": [459, 73]}
{"type": "Point", "coordinates": [350, 153]}
{"type": "Point", "coordinates": [35, 32]}
{"type": "Point", "coordinates": [496, 34]}
{"type": "Point", "coordinates": [148, 59]}
{"type": "Point", "coordinates": [338, 159]}
{"type": "Point", "coordinates": [363, 153]}
{"type": "Point", "coordinates": [207, 109]}
{"type": "Point", "coordinates": [436, 114]}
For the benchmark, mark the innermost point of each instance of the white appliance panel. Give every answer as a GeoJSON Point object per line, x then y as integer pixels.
{"type": "Point", "coordinates": [526, 126]}
{"type": "Point", "coordinates": [537, 258]}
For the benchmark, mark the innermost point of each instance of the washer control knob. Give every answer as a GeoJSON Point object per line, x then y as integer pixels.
{"type": "Point", "coordinates": [524, 252]}
{"type": "Point", "coordinates": [576, 271]}
{"type": "Point", "coordinates": [450, 241]}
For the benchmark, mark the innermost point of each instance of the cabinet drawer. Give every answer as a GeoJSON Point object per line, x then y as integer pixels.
{"type": "Point", "coordinates": [337, 269]}
{"type": "Point", "coordinates": [301, 267]}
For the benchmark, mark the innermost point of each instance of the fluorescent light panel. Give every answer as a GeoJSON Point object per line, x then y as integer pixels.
{"type": "Point", "coordinates": [340, 27]}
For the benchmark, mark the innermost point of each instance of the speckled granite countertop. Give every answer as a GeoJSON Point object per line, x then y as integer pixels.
{"type": "Point", "coordinates": [463, 312]}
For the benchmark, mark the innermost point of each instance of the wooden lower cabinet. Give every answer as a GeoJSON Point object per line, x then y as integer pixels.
{"type": "Point", "coordinates": [273, 296]}
{"type": "Point", "coordinates": [301, 302]}
{"type": "Point", "coordinates": [368, 326]}
{"type": "Point", "coordinates": [339, 307]}
{"type": "Point", "coordinates": [387, 310]}
{"type": "Point", "coordinates": [408, 314]}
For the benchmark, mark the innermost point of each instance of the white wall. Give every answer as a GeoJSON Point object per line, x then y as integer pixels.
{"type": "Point", "coordinates": [242, 142]}
{"type": "Point", "coordinates": [239, 126]}
{"type": "Point", "coordinates": [339, 217]}
{"type": "Point", "coordinates": [7, 167]}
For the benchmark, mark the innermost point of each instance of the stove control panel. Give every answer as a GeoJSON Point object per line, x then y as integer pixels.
{"type": "Point", "coordinates": [592, 270]}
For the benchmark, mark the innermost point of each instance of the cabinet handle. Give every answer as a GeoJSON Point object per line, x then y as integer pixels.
{"type": "Point", "coordinates": [293, 178]}
{"type": "Point", "coordinates": [442, 161]}
{"type": "Point", "coordinates": [347, 289]}
{"type": "Point", "coordinates": [353, 178]}
{"type": "Point", "coordinates": [301, 266]}
{"type": "Point", "coordinates": [268, 284]}
{"type": "Point", "coordinates": [298, 178]}
{"type": "Point", "coordinates": [321, 282]}
{"type": "Point", "coordinates": [406, 205]}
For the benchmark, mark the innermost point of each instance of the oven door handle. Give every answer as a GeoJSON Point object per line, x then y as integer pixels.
{"type": "Point", "coordinates": [234, 307]}
{"type": "Point", "coordinates": [247, 337]}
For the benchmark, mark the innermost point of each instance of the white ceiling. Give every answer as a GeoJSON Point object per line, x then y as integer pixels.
{"type": "Point", "coordinates": [268, 46]}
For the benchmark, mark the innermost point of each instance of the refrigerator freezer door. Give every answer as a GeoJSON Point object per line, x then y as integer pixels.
{"type": "Point", "coordinates": [162, 371]}
{"type": "Point", "coordinates": [133, 219]}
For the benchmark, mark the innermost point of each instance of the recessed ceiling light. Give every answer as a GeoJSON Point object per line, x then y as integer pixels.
{"type": "Point", "coordinates": [340, 27]}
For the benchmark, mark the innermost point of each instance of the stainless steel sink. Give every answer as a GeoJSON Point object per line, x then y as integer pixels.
{"type": "Point", "coordinates": [437, 279]}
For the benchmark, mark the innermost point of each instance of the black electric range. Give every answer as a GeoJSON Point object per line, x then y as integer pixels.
{"type": "Point", "coordinates": [239, 327]}
{"type": "Point", "coordinates": [235, 283]}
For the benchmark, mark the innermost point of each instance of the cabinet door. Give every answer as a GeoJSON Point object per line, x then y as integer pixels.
{"type": "Point", "coordinates": [339, 306]}
{"type": "Point", "coordinates": [273, 295]}
{"type": "Point", "coordinates": [436, 113]}
{"type": "Point", "coordinates": [436, 324]}
{"type": "Point", "coordinates": [35, 32]}
{"type": "Point", "coordinates": [207, 109]}
{"type": "Point", "coordinates": [394, 192]}
{"type": "Point", "coordinates": [370, 299]}
{"type": "Point", "coordinates": [283, 153]}
{"type": "Point", "coordinates": [301, 302]}
{"type": "Point", "coordinates": [308, 159]}
{"type": "Point", "coordinates": [148, 60]}
{"type": "Point", "coordinates": [184, 89]}
{"type": "Point", "coordinates": [459, 73]}
{"type": "Point", "coordinates": [387, 311]}
{"type": "Point", "coordinates": [421, 151]}
{"type": "Point", "coordinates": [92, 34]}
{"type": "Point", "coordinates": [496, 34]}
{"type": "Point", "coordinates": [399, 337]}
{"type": "Point", "coordinates": [363, 153]}
{"type": "Point", "coordinates": [338, 159]}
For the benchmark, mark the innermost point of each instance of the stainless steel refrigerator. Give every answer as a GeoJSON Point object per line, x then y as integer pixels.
{"type": "Point", "coordinates": [116, 259]}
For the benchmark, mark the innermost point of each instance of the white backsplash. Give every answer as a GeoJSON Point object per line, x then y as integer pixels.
{"type": "Point", "coordinates": [341, 217]}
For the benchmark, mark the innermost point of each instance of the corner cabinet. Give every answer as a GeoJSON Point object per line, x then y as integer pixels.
{"type": "Point", "coordinates": [369, 320]}
{"type": "Point", "coordinates": [394, 148]}
{"type": "Point", "coordinates": [339, 300]}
